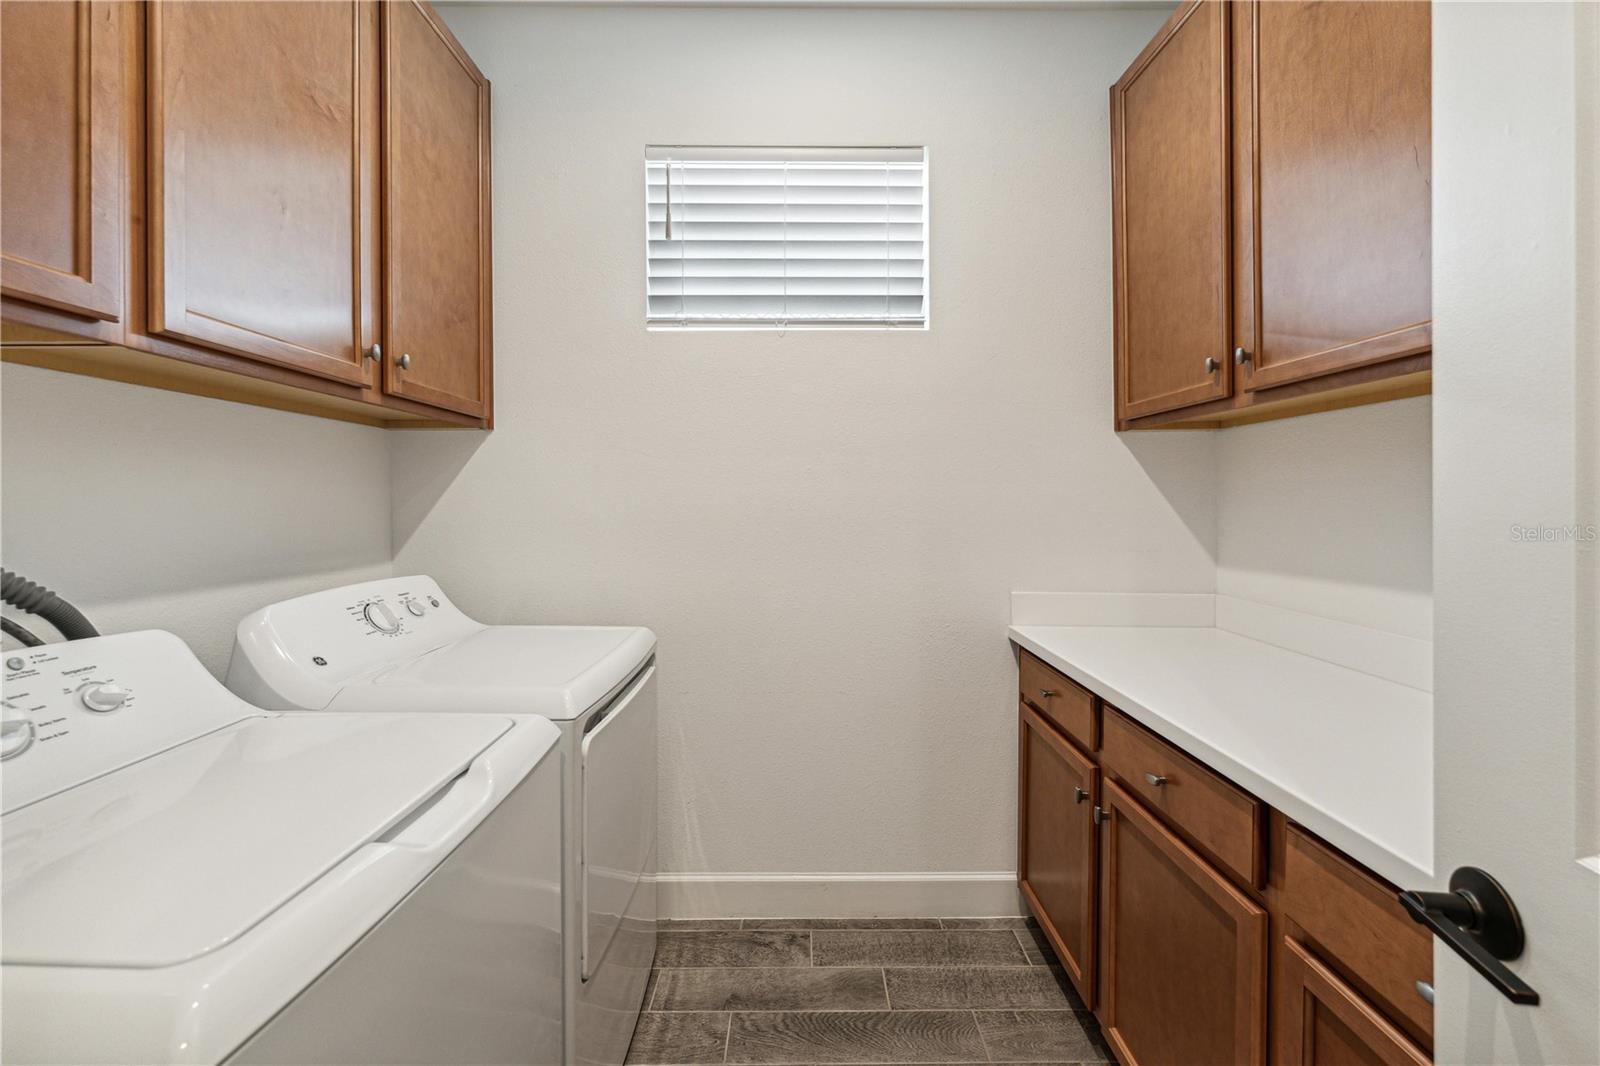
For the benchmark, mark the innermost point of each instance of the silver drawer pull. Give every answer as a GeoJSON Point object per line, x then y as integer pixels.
{"type": "Point", "coordinates": [1425, 990]}
{"type": "Point", "coordinates": [1080, 794]}
{"type": "Point", "coordinates": [1156, 779]}
{"type": "Point", "coordinates": [1046, 693]}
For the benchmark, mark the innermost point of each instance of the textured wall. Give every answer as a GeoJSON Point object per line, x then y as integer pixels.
{"type": "Point", "coordinates": [152, 510]}
{"type": "Point", "coordinates": [822, 527]}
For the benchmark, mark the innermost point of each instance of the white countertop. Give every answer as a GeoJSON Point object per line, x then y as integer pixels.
{"type": "Point", "coordinates": [1346, 754]}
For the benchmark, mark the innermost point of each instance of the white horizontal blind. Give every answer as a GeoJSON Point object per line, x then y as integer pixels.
{"type": "Point", "coordinates": [811, 236]}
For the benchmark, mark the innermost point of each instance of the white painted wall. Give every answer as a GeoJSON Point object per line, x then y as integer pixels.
{"type": "Point", "coordinates": [822, 527]}
{"type": "Point", "coordinates": [1331, 514]}
{"type": "Point", "coordinates": [153, 510]}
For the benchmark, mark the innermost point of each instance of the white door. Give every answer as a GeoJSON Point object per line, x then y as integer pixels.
{"type": "Point", "coordinates": [1516, 584]}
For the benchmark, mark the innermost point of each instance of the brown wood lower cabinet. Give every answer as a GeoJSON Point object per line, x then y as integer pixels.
{"type": "Point", "coordinates": [1201, 926]}
{"type": "Point", "coordinates": [1327, 1023]}
{"type": "Point", "coordinates": [1185, 951]}
{"type": "Point", "coordinates": [1058, 791]}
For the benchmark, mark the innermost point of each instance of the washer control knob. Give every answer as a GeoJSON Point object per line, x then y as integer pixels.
{"type": "Point", "coordinates": [379, 617]}
{"type": "Point", "coordinates": [101, 697]}
{"type": "Point", "coordinates": [416, 608]}
{"type": "Point", "coordinates": [16, 662]}
{"type": "Point", "coordinates": [16, 737]}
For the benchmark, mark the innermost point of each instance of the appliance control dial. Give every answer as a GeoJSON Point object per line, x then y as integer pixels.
{"type": "Point", "coordinates": [17, 732]}
{"type": "Point", "coordinates": [16, 662]}
{"type": "Point", "coordinates": [102, 697]}
{"type": "Point", "coordinates": [416, 608]}
{"type": "Point", "coordinates": [380, 617]}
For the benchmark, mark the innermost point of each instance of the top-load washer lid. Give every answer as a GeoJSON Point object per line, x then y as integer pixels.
{"type": "Point", "coordinates": [557, 672]}
{"type": "Point", "coordinates": [182, 852]}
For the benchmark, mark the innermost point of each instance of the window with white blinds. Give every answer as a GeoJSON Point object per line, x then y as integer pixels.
{"type": "Point", "coordinates": [762, 237]}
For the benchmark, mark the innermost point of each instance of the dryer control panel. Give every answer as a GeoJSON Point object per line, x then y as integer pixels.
{"type": "Point", "coordinates": [298, 653]}
{"type": "Point", "coordinates": [393, 612]}
{"type": "Point", "coordinates": [81, 708]}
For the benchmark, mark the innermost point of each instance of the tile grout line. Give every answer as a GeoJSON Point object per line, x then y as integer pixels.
{"type": "Point", "coordinates": [727, 1038]}
{"type": "Point", "coordinates": [988, 1056]}
{"type": "Point", "coordinates": [1026, 957]}
{"type": "Point", "coordinates": [887, 1002]}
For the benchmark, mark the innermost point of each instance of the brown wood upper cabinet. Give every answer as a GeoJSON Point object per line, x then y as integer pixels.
{"type": "Point", "coordinates": [1169, 122]}
{"type": "Point", "coordinates": [63, 81]}
{"type": "Point", "coordinates": [1271, 211]}
{"type": "Point", "coordinates": [284, 204]}
{"type": "Point", "coordinates": [263, 158]}
{"type": "Point", "coordinates": [436, 185]}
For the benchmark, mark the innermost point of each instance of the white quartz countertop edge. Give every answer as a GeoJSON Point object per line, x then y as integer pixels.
{"type": "Point", "coordinates": [1362, 782]}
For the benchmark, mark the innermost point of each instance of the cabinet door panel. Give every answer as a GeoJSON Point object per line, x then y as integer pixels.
{"type": "Point", "coordinates": [1170, 159]}
{"type": "Point", "coordinates": [62, 83]}
{"type": "Point", "coordinates": [437, 215]}
{"type": "Point", "coordinates": [1338, 132]}
{"type": "Point", "coordinates": [263, 120]}
{"type": "Point", "coordinates": [1185, 951]}
{"type": "Point", "coordinates": [1056, 852]}
{"type": "Point", "coordinates": [1329, 1024]}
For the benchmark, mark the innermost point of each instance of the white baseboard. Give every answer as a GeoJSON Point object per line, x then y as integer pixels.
{"type": "Point", "coordinates": [981, 894]}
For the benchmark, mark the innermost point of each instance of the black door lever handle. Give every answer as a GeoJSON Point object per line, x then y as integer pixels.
{"type": "Point", "coordinates": [1479, 921]}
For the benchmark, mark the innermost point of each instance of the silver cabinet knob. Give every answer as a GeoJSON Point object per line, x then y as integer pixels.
{"type": "Point", "coordinates": [375, 353]}
{"type": "Point", "coordinates": [404, 360]}
{"type": "Point", "coordinates": [1211, 365]}
{"type": "Point", "coordinates": [1080, 794]}
{"type": "Point", "coordinates": [1425, 990]}
{"type": "Point", "coordinates": [1046, 693]}
{"type": "Point", "coordinates": [1156, 779]}
{"type": "Point", "coordinates": [1240, 357]}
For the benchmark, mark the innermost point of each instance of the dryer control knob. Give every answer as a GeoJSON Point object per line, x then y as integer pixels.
{"type": "Point", "coordinates": [379, 617]}
{"type": "Point", "coordinates": [416, 608]}
{"type": "Point", "coordinates": [100, 698]}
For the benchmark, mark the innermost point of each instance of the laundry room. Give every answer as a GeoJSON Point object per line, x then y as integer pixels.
{"type": "Point", "coordinates": [663, 533]}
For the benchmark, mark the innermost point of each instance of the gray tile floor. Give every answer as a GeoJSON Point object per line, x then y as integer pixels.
{"type": "Point", "coordinates": [858, 991]}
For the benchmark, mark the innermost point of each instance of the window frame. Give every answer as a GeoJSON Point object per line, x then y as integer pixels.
{"type": "Point", "coordinates": [654, 154]}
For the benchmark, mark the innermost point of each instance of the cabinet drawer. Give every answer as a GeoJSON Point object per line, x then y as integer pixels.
{"type": "Point", "coordinates": [1066, 703]}
{"type": "Point", "coordinates": [1221, 818]}
{"type": "Point", "coordinates": [1354, 921]}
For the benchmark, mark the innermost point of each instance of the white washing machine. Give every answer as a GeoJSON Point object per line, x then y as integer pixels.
{"type": "Point", "coordinates": [189, 879]}
{"type": "Point", "coordinates": [401, 645]}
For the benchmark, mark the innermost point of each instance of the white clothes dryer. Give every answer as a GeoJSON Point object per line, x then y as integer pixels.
{"type": "Point", "coordinates": [401, 645]}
